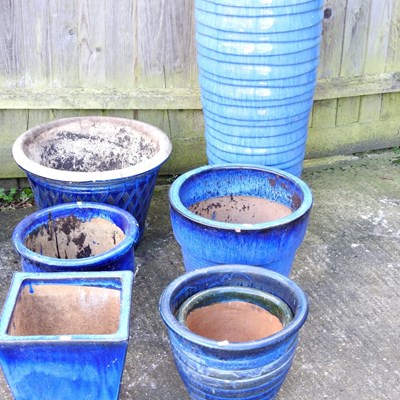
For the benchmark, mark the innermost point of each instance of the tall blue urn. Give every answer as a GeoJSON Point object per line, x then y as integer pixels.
{"type": "Point", "coordinates": [258, 64]}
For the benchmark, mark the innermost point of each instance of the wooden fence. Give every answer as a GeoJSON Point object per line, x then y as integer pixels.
{"type": "Point", "coordinates": [136, 59]}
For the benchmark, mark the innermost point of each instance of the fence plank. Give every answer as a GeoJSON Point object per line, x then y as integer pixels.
{"type": "Point", "coordinates": [63, 44]}
{"type": "Point", "coordinates": [332, 38]}
{"type": "Point", "coordinates": [348, 110]}
{"type": "Point", "coordinates": [12, 61]}
{"type": "Point", "coordinates": [181, 66]}
{"type": "Point", "coordinates": [91, 36]}
{"type": "Point", "coordinates": [393, 57]}
{"type": "Point", "coordinates": [324, 114]}
{"type": "Point", "coordinates": [355, 37]}
{"type": "Point", "coordinates": [34, 20]}
{"type": "Point", "coordinates": [390, 106]}
{"type": "Point", "coordinates": [370, 107]}
{"type": "Point", "coordinates": [166, 43]}
{"type": "Point", "coordinates": [352, 138]}
{"type": "Point", "coordinates": [378, 36]}
{"type": "Point", "coordinates": [173, 98]}
{"type": "Point", "coordinates": [12, 123]}
{"type": "Point", "coordinates": [151, 42]}
{"type": "Point", "coordinates": [121, 44]}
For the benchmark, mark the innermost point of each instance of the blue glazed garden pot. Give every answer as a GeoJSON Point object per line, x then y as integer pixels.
{"type": "Point", "coordinates": [271, 244]}
{"type": "Point", "coordinates": [257, 67]}
{"type": "Point", "coordinates": [94, 159]}
{"type": "Point", "coordinates": [225, 370]}
{"type": "Point", "coordinates": [65, 336]}
{"type": "Point", "coordinates": [77, 237]}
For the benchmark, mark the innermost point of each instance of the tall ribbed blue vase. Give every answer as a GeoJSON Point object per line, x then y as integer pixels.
{"type": "Point", "coordinates": [258, 64]}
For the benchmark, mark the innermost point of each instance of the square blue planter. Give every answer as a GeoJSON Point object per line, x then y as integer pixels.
{"type": "Point", "coordinates": [65, 335]}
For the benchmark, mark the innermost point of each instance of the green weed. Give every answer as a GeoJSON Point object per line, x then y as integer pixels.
{"type": "Point", "coordinates": [16, 198]}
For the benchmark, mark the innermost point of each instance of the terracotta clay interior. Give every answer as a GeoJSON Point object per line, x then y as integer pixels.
{"type": "Point", "coordinates": [234, 321]}
{"type": "Point", "coordinates": [71, 238]}
{"type": "Point", "coordinates": [240, 209]}
{"type": "Point", "coordinates": [56, 309]}
{"type": "Point", "coordinates": [79, 147]}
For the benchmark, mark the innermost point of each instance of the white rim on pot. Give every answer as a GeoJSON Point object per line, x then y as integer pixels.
{"type": "Point", "coordinates": [155, 134]}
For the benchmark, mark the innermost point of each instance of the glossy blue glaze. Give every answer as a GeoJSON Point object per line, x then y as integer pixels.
{"type": "Point", "coordinates": [245, 91]}
{"type": "Point", "coordinates": [66, 367]}
{"type": "Point", "coordinates": [132, 194]}
{"type": "Point", "coordinates": [120, 257]}
{"type": "Point", "coordinates": [205, 242]}
{"type": "Point", "coordinates": [252, 370]}
{"type": "Point", "coordinates": [257, 66]}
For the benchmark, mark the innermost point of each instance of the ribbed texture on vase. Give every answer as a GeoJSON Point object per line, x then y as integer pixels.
{"type": "Point", "coordinates": [257, 65]}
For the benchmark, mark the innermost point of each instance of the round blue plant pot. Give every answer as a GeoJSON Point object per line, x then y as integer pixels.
{"type": "Point", "coordinates": [257, 66]}
{"type": "Point", "coordinates": [52, 221]}
{"type": "Point", "coordinates": [205, 242]}
{"type": "Point", "coordinates": [65, 335]}
{"type": "Point", "coordinates": [221, 370]}
{"type": "Point", "coordinates": [94, 159]}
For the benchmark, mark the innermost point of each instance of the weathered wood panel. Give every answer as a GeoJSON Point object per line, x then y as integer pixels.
{"type": "Point", "coordinates": [174, 98]}
{"type": "Point", "coordinates": [378, 36]}
{"type": "Point", "coordinates": [63, 42]}
{"type": "Point", "coordinates": [355, 37]}
{"type": "Point", "coordinates": [332, 38]}
{"type": "Point", "coordinates": [353, 138]}
{"type": "Point", "coordinates": [12, 58]}
{"type": "Point", "coordinates": [137, 59]}
{"type": "Point", "coordinates": [166, 43]}
{"type": "Point", "coordinates": [393, 55]}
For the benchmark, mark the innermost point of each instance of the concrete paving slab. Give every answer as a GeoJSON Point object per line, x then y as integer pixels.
{"type": "Point", "coordinates": [348, 265]}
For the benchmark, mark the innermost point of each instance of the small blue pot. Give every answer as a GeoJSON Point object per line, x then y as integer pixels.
{"type": "Point", "coordinates": [78, 349]}
{"type": "Point", "coordinates": [206, 242]}
{"type": "Point", "coordinates": [119, 257]}
{"type": "Point", "coordinates": [94, 159]}
{"type": "Point", "coordinates": [218, 370]}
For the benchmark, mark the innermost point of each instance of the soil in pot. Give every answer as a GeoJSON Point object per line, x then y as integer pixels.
{"type": "Point", "coordinates": [233, 321]}
{"type": "Point", "coordinates": [72, 150]}
{"type": "Point", "coordinates": [240, 209]}
{"type": "Point", "coordinates": [56, 309]}
{"type": "Point", "coordinates": [71, 238]}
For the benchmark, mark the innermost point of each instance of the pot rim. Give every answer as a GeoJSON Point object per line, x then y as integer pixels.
{"type": "Point", "coordinates": [104, 279]}
{"type": "Point", "coordinates": [62, 210]}
{"type": "Point", "coordinates": [24, 162]}
{"type": "Point", "coordinates": [177, 205]}
{"type": "Point", "coordinates": [171, 321]}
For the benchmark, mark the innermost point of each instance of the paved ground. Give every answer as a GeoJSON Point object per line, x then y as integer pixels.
{"type": "Point", "coordinates": [348, 265]}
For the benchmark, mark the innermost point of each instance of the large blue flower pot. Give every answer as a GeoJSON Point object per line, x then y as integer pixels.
{"type": "Point", "coordinates": [219, 370]}
{"type": "Point", "coordinates": [94, 159]}
{"type": "Point", "coordinates": [77, 237]}
{"type": "Point", "coordinates": [257, 62]}
{"type": "Point", "coordinates": [205, 242]}
{"type": "Point", "coordinates": [65, 336]}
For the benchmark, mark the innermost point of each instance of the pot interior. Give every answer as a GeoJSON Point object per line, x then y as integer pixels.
{"type": "Point", "coordinates": [233, 321]}
{"type": "Point", "coordinates": [240, 209]}
{"type": "Point", "coordinates": [241, 195]}
{"type": "Point", "coordinates": [63, 309]}
{"type": "Point", "coordinates": [91, 146]}
{"type": "Point", "coordinates": [234, 314]}
{"type": "Point", "coordinates": [71, 238]}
